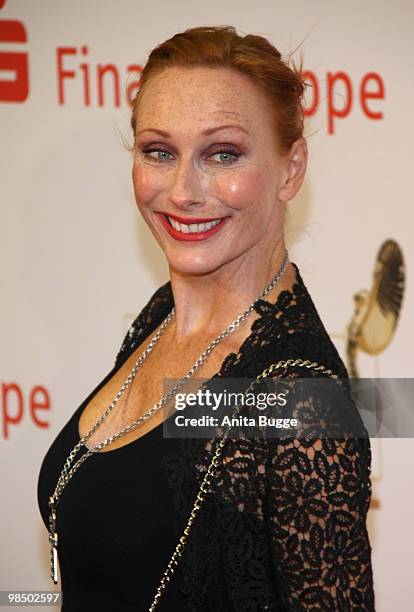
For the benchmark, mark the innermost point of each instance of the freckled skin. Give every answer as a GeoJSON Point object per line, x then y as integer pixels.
{"type": "Point", "coordinates": [191, 178]}
{"type": "Point", "coordinates": [213, 280]}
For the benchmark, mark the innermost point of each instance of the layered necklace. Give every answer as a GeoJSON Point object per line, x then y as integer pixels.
{"type": "Point", "coordinates": [69, 470]}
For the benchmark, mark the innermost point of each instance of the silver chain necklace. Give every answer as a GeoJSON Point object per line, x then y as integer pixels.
{"type": "Point", "coordinates": [68, 471]}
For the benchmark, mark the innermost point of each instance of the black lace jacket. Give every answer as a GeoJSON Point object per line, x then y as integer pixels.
{"type": "Point", "coordinates": [284, 527]}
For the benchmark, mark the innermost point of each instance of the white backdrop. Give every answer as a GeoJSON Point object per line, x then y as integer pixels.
{"type": "Point", "coordinates": [78, 263]}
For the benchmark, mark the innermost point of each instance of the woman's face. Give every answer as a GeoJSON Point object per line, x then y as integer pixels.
{"type": "Point", "coordinates": [206, 153]}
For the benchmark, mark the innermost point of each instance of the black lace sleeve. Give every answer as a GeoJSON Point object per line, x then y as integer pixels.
{"type": "Point", "coordinates": [318, 495]}
{"type": "Point", "coordinates": [302, 542]}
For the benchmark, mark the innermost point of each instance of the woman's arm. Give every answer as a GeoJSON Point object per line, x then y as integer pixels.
{"type": "Point", "coordinates": [318, 492]}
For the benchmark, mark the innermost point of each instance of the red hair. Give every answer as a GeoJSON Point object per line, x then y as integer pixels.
{"type": "Point", "coordinates": [252, 55]}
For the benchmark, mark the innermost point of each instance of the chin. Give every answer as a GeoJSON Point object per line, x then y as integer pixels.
{"type": "Point", "coordinates": [193, 265]}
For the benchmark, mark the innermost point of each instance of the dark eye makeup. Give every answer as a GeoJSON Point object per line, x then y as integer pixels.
{"type": "Point", "coordinates": [216, 149]}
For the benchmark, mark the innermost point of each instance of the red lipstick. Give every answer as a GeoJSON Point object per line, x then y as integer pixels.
{"type": "Point", "coordinates": [191, 236]}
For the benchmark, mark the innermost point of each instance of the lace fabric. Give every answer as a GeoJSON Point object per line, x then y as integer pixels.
{"type": "Point", "coordinates": [284, 528]}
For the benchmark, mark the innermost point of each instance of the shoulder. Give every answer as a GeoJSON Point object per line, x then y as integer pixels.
{"type": "Point", "coordinates": [151, 315]}
{"type": "Point", "coordinates": [291, 328]}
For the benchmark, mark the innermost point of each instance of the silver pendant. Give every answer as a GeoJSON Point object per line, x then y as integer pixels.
{"type": "Point", "coordinates": [53, 558]}
{"type": "Point", "coordinates": [53, 539]}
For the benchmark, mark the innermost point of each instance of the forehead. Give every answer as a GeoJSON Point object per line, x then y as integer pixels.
{"type": "Point", "coordinates": [202, 95]}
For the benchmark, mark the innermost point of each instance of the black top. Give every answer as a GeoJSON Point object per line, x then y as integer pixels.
{"type": "Point", "coordinates": [284, 527]}
{"type": "Point", "coordinates": [114, 521]}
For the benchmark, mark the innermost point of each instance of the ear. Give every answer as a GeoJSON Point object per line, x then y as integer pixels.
{"type": "Point", "coordinates": [295, 167]}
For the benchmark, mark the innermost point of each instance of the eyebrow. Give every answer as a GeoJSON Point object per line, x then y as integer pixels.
{"type": "Point", "coordinates": [205, 133]}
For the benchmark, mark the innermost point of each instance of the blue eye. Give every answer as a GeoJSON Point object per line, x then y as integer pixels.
{"type": "Point", "coordinates": [233, 156]}
{"type": "Point", "coordinates": [157, 159]}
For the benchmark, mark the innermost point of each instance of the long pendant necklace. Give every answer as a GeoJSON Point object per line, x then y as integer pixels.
{"type": "Point", "coordinates": [68, 471]}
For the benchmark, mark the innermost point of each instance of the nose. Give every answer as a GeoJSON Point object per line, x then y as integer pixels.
{"type": "Point", "coordinates": [185, 188]}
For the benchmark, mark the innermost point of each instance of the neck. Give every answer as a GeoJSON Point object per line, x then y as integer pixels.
{"type": "Point", "coordinates": [206, 304]}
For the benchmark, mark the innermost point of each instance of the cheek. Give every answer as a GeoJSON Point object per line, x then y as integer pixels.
{"type": "Point", "coordinates": [243, 190]}
{"type": "Point", "coordinates": [146, 185]}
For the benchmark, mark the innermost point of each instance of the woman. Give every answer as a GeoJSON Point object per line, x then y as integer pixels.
{"type": "Point", "coordinates": [218, 152]}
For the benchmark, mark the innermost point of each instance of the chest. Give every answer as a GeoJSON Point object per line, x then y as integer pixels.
{"type": "Point", "coordinates": [161, 370]}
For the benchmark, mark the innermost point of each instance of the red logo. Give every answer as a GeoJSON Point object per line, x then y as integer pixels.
{"type": "Point", "coordinates": [15, 63]}
{"type": "Point", "coordinates": [340, 104]}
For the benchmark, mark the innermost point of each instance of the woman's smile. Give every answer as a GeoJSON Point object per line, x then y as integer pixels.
{"type": "Point", "coordinates": [199, 178]}
{"type": "Point", "coordinates": [191, 228]}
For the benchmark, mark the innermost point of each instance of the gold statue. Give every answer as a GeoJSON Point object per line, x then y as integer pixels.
{"type": "Point", "coordinates": [376, 313]}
